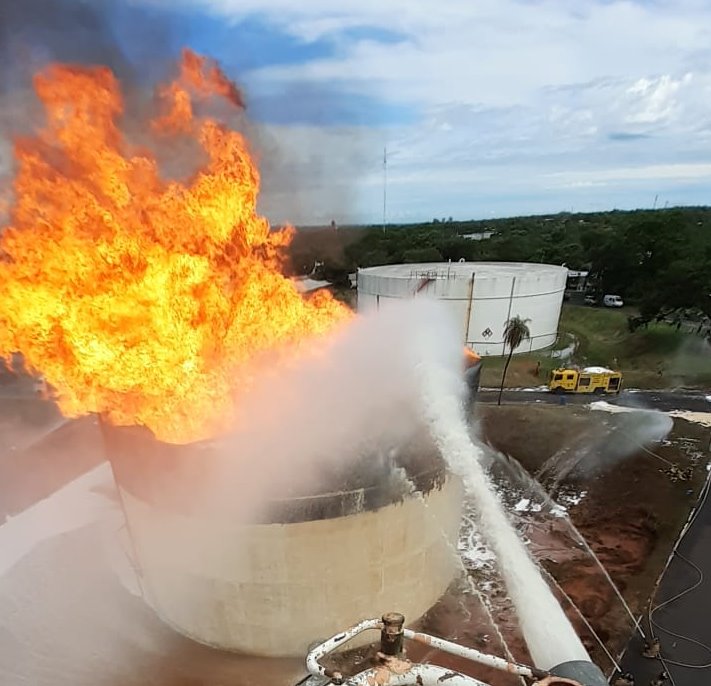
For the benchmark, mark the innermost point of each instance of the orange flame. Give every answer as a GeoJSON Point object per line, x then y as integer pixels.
{"type": "Point", "coordinates": [136, 297]}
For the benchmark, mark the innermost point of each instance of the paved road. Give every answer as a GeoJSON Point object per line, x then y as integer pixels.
{"type": "Point", "coordinates": [695, 401]}
{"type": "Point", "coordinates": [686, 616]}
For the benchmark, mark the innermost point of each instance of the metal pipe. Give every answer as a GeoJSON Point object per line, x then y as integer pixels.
{"type": "Point", "coordinates": [580, 671]}
{"type": "Point", "coordinates": [312, 659]}
{"type": "Point", "coordinates": [474, 655]}
{"type": "Point", "coordinates": [396, 671]}
{"type": "Point", "coordinates": [508, 314]}
{"type": "Point", "coordinates": [392, 633]}
{"type": "Point", "coordinates": [413, 675]}
{"type": "Point", "coordinates": [469, 309]}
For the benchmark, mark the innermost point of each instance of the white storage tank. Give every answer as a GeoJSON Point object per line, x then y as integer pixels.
{"type": "Point", "coordinates": [483, 296]}
{"type": "Point", "coordinates": [303, 567]}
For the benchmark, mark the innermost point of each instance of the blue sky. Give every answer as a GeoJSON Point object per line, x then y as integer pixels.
{"type": "Point", "coordinates": [488, 107]}
{"type": "Point", "coordinates": [247, 44]}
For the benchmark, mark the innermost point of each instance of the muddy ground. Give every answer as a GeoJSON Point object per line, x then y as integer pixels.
{"type": "Point", "coordinates": [628, 503]}
{"type": "Point", "coordinates": [634, 505]}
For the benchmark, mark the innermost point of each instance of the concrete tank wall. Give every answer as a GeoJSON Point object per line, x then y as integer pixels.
{"type": "Point", "coordinates": [307, 567]}
{"type": "Point", "coordinates": [273, 589]}
{"type": "Point", "coordinates": [481, 296]}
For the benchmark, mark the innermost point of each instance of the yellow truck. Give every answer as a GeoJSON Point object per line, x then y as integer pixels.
{"type": "Point", "coordinates": [588, 380]}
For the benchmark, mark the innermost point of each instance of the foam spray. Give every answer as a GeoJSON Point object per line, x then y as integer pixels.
{"type": "Point", "coordinates": [549, 635]}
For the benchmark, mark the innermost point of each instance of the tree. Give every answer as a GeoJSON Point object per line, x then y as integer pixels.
{"type": "Point", "coordinates": [516, 332]}
{"type": "Point", "coordinates": [422, 255]}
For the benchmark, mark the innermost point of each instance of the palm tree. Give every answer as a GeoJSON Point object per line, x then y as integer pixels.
{"type": "Point", "coordinates": [516, 332]}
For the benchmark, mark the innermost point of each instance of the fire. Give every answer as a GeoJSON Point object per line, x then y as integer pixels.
{"type": "Point", "coordinates": [470, 356]}
{"type": "Point", "coordinates": [144, 299]}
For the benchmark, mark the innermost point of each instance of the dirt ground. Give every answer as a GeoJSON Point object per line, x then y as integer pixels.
{"type": "Point", "coordinates": [634, 508]}
{"type": "Point", "coordinates": [626, 502]}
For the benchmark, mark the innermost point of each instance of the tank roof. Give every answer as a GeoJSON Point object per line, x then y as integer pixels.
{"type": "Point", "coordinates": [444, 270]}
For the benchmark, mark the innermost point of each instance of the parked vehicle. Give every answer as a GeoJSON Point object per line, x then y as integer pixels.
{"type": "Point", "coordinates": [588, 380]}
{"type": "Point", "coordinates": [612, 301]}
{"type": "Point", "coordinates": [590, 300]}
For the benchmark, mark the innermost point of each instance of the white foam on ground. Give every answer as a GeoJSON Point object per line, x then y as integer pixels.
{"type": "Point", "coordinates": [565, 502]}
{"type": "Point", "coordinates": [473, 548]}
{"type": "Point", "coordinates": [703, 418]}
{"type": "Point", "coordinates": [525, 505]}
{"type": "Point", "coordinates": [604, 406]}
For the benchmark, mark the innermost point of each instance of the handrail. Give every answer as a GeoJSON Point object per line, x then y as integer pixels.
{"type": "Point", "coordinates": [402, 672]}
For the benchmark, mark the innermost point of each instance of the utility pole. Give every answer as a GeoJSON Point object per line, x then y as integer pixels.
{"type": "Point", "coordinates": [656, 197]}
{"type": "Point", "coordinates": [385, 186]}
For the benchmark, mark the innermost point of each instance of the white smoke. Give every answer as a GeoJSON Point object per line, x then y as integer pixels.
{"type": "Point", "coordinates": [349, 399]}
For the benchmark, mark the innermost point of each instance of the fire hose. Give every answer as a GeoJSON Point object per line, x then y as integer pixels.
{"type": "Point", "coordinates": [700, 580]}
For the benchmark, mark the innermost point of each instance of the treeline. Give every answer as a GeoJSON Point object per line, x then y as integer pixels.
{"type": "Point", "coordinates": [657, 259]}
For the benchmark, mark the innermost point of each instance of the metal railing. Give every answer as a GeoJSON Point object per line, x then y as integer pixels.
{"type": "Point", "coordinates": [437, 274]}
{"type": "Point", "coordinates": [394, 670]}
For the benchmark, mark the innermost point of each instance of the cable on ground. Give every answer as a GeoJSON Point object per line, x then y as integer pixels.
{"type": "Point", "coordinates": [699, 581]}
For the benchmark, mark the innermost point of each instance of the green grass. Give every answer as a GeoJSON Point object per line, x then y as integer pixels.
{"type": "Point", "coordinates": [599, 332]}
{"type": "Point", "coordinates": [603, 338]}
{"type": "Point", "coordinates": [521, 370]}
{"type": "Point", "coordinates": [653, 357]}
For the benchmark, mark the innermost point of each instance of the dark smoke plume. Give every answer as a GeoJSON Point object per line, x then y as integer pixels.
{"type": "Point", "coordinates": [34, 32]}
{"type": "Point", "coordinates": [136, 43]}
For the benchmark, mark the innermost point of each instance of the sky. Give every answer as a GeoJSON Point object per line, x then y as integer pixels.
{"type": "Point", "coordinates": [487, 107]}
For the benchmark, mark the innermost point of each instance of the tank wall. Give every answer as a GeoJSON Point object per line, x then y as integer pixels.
{"type": "Point", "coordinates": [273, 589]}
{"type": "Point", "coordinates": [536, 295]}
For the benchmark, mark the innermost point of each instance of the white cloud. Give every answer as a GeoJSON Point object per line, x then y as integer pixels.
{"type": "Point", "coordinates": [529, 105]}
{"type": "Point", "coordinates": [609, 142]}
{"type": "Point", "coordinates": [656, 99]}
{"type": "Point", "coordinates": [656, 172]}
{"type": "Point", "coordinates": [494, 52]}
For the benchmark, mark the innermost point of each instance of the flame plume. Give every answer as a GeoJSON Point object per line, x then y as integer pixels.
{"type": "Point", "coordinates": [143, 299]}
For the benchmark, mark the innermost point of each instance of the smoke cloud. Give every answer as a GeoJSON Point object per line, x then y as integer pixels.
{"type": "Point", "coordinates": [352, 402]}
{"type": "Point", "coordinates": [297, 161]}
{"type": "Point", "coordinates": [119, 35]}
{"type": "Point", "coordinates": [309, 172]}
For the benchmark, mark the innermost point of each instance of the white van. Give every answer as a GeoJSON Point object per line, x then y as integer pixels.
{"type": "Point", "coordinates": [612, 301]}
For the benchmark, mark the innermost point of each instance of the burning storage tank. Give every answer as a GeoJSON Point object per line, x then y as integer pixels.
{"type": "Point", "coordinates": [154, 302]}
{"type": "Point", "coordinates": [383, 529]}
{"type": "Point", "coordinates": [481, 295]}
